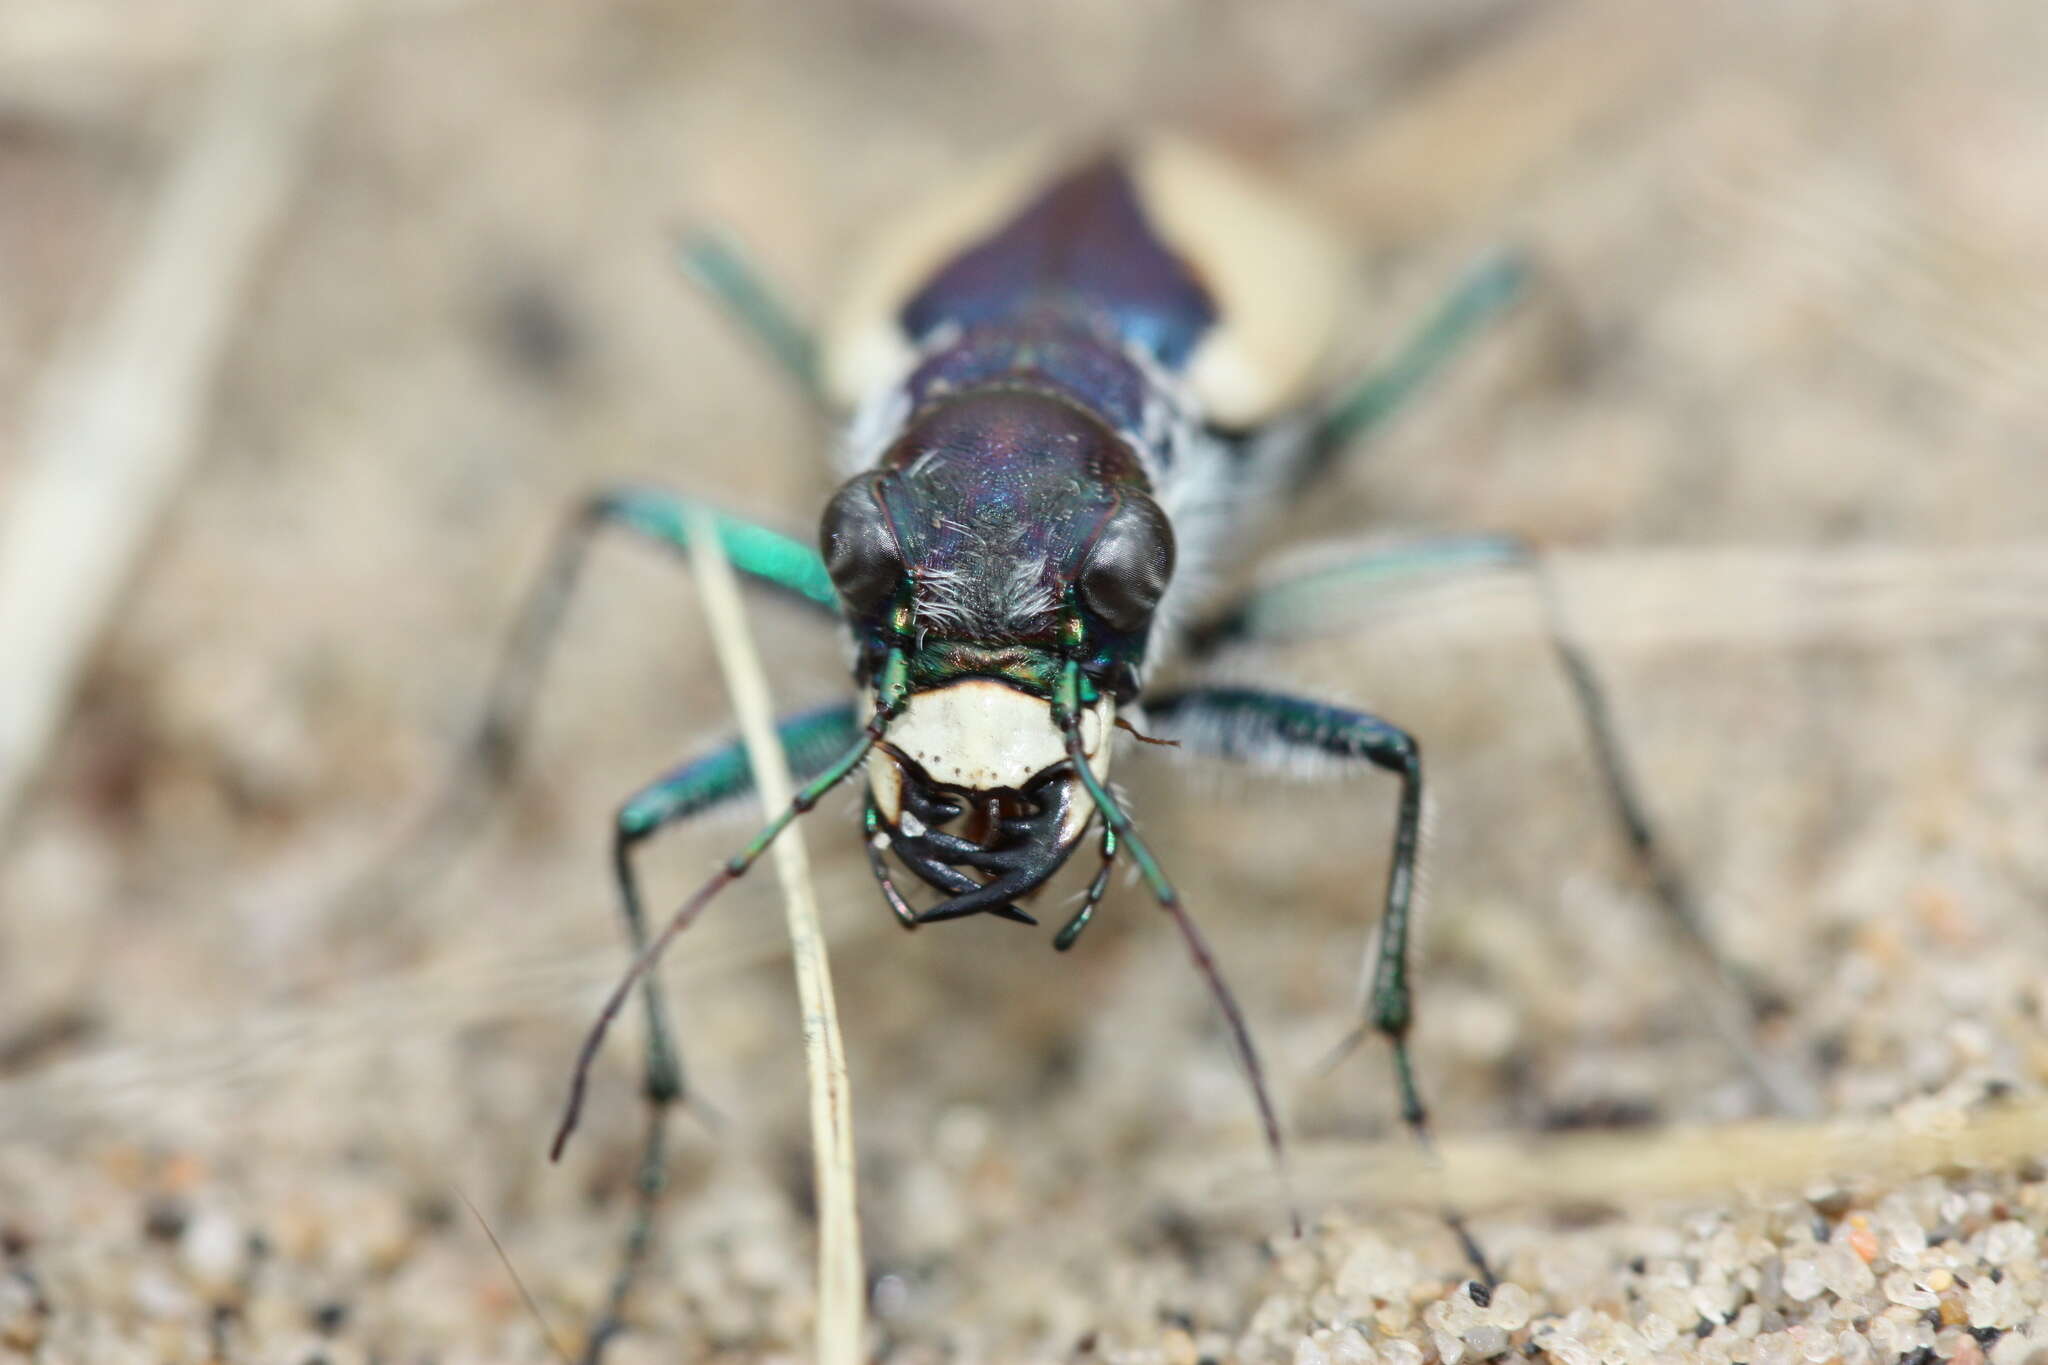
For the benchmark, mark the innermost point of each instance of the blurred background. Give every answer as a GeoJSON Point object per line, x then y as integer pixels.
{"type": "Point", "coordinates": [325, 312]}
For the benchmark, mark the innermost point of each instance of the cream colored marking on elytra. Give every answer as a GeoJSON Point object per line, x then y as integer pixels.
{"type": "Point", "coordinates": [981, 735]}
{"type": "Point", "coordinates": [1281, 284]}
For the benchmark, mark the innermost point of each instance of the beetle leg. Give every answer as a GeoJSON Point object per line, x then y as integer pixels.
{"type": "Point", "coordinates": [1299, 606]}
{"type": "Point", "coordinates": [1265, 727]}
{"type": "Point", "coordinates": [812, 739]}
{"type": "Point", "coordinates": [1486, 292]}
{"type": "Point", "coordinates": [487, 761]}
{"type": "Point", "coordinates": [716, 263]}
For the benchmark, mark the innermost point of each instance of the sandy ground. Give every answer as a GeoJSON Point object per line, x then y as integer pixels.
{"type": "Point", "coordinates": [1793, 304]}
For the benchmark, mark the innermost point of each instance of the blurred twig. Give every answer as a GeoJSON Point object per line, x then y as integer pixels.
{"type": "Point", "coordinates": [87, 54]}
{"type": "Point", "coordinates": [121, 410]}
{"type": "Point", "coordinates": [842, 1282]}
{"type": "Point", "coordinates": [1763, 1157]}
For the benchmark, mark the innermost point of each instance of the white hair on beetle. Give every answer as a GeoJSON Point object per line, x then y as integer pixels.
{"type": "Point", "coordinates": [1215, 491]}
{"type": "Point", "coordinates": [878, 419]}
{"type": "Point", "coordinates": [1012, 601]}
{"type": "Point", "coordinates": [941, 601]}
{"type": "Point", "coordinates": [1029, 601]}
{"type": "Point", "coordinates": [871, 429]}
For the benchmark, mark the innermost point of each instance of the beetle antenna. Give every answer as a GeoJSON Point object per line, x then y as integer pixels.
{"type": "Point", "coordinates": [1123, 723]}
{"type": "Point", "coordinates": [729, 872]}
{"type": "Point", "coordinates": [1067, 711]}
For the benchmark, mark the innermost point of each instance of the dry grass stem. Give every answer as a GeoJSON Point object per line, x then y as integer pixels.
{"type": "Point", "coordinates": [1756, 1158]}
{"type": "Point", "coordinates": [842, 1282]}
{"type": "Point", "coordinates": [121, 412]}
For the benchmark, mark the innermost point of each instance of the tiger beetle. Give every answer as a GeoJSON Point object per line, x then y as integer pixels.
{"type": "Point", "coordinates": [1070, 389]}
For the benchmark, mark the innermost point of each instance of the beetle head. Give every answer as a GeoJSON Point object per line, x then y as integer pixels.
{"type": "Point", "coordinates": [1005, 531]}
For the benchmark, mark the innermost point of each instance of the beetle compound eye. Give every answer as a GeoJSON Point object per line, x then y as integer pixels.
{"type": "Point", "coordinates": [860, 548]}
{"type": "Point", "coordinates": [1133, 558]}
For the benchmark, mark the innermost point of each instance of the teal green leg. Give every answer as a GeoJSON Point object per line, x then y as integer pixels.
{"type": "Point", "coordinates": [765, 558]}
{"type": "Point", "coordinates": [1275, 731]}
{"type": "Point", "coordinates": [1310, 604]}
{"type": "Point", "coordinates": [717, 264]}
{"type": "Point", "coordinates": [1488, 291]}
{"type": "Point", "coordinates": [1268, 729]}
{"type": "Point", "coordinates": [812, 740]}
{"type": "Point", "coordinates": [1291, 609]}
